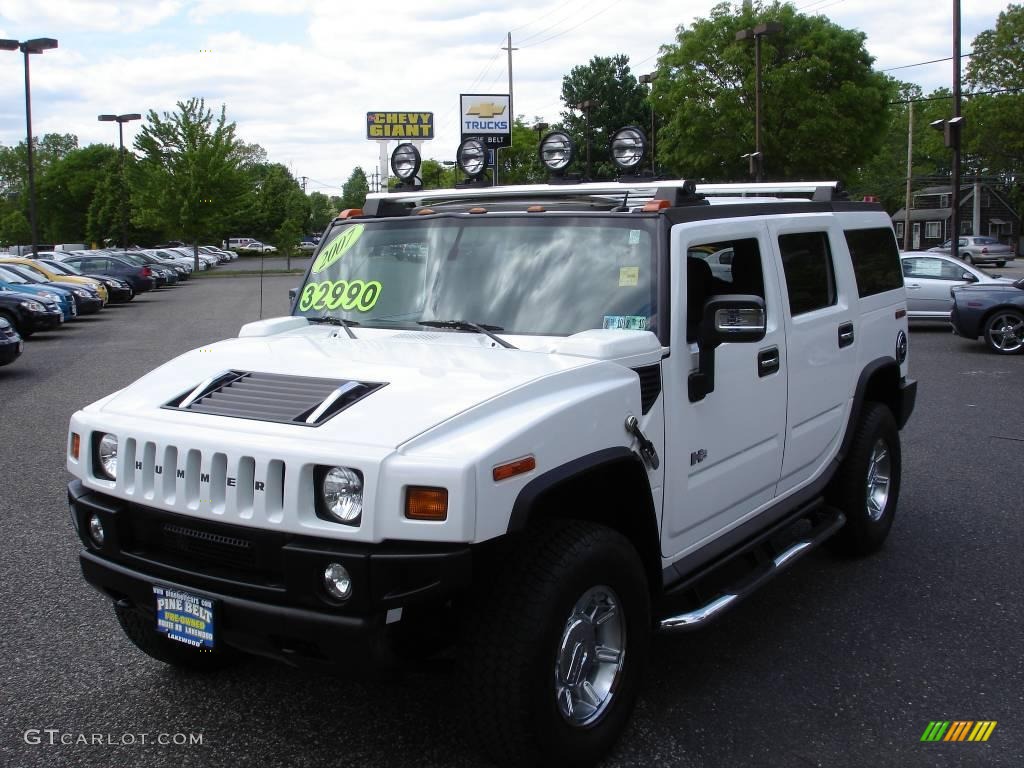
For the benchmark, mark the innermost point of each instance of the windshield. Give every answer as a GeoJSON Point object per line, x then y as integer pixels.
{"type": "Point", "coordinates": [555, 275]}
{"type": "Point", "coordinates": [31, 274]}
{"type": "Point", "coordinates": [10, 276]}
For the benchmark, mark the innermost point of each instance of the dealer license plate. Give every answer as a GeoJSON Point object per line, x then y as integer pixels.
{"type": "Point", "coordinates": [184, 617]}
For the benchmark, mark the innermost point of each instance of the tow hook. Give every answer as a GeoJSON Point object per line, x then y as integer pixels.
{"type": "Point", "coordinates": [650, 456]}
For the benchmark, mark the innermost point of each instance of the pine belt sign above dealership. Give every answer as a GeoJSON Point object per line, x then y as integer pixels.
{"type": "Point", "coordinates": [486, 116]}
{"type": "Point", "coordinates": [385, 126]}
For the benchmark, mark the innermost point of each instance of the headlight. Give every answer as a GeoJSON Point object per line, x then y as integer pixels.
{"type": "Point", "coordinates": [50, 296]}
{"type": "Point", "coordinates": [342, 494]}
{"type": "Point", "coordinates": [81, 292]}
{"type": "Point", "coordinates": [31, 306]}
{"type": "Point", "coordinates": [106, 453]}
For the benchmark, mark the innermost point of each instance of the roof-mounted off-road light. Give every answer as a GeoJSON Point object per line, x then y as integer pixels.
{"type": "Point", "coordinates": [557, 151]}
{"type": "Point", "coordinates": [472, 158]}
{"type": "Point", "coordinates": [405, 162]}
{"type": "Point", "coordinates": [628, 147]}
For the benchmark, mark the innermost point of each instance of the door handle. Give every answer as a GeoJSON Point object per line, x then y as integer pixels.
{"type": "Point", "coordinates": [768, 361]}
{"type": "Point", "coordinates": [845, 335]}
{"type": "Point", "coordinates": [911, 286]}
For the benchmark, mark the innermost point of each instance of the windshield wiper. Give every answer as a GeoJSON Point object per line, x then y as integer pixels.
{"type": "Point", "coordinates": [333, 320]}
{"type": "Point", "coordinates": [465, 325]}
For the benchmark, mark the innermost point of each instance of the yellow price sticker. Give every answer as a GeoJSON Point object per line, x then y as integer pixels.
{"type": "Point", "coordinates": [338, 248]}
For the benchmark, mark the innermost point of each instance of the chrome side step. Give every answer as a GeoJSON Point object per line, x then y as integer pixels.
{"type": "Point", "coordinates": [702, 615]}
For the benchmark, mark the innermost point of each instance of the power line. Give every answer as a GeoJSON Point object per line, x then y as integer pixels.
{"type": "Point", "coordinates": [966, 95]}
{"type": "Point", "coordinates": [570, 29]}
{"type": "Point", "coordinates": [540, 18]}
{"type": "Point", "coordinates": [548, 28]}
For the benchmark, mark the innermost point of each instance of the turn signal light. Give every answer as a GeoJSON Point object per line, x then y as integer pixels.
{"type": "Point", "coordinates": [350, 213]}
{"type": "Point", "coordinates": [656, 205]}
{"type": "Point", "coordinates": [513, 468]}
{"type": "Point", "coordinates": [423, 503]}
{"type": "Point", "coordinates": [76, 445]}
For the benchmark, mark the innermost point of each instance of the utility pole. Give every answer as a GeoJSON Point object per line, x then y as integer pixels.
{"type": "Point", "coordinates": [511, 111]}
{"type": "Point", "coordinates": [910, 171]}
{"type": "Point", "coordinates": [304, 184]}
{"type": "Point", "coordinates": [954, 238]}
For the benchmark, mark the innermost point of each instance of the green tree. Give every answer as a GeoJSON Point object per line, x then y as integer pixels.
{"type": "Point", "coordinates": [65, 192]}
{"type": "Point", "coordinates": [1000, 61]}
{"type": "Point", "coordinates": [321, 212]}
{"type": "Point", "coordinates": [354, 191]}
{"type": "Point", "coordinates": [824, 110]}
{"type": "Point", "coordinates": [14, 229]}
{"type": "Point", "coordinates": [620, 101]}
{"type": "Point", "coordinates": [50, 149]}
{"type": "Point", "coordinates": [436, 175]}
{"type": "Point", "coordinates": [520, 162]}
{"type": "Point", "coordinates": [189, 180]}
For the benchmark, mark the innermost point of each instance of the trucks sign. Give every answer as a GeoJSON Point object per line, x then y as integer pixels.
{"type": "Point", "coordinates": [486, 116]}
{"type": "Point", "coordinates": [385, 126]}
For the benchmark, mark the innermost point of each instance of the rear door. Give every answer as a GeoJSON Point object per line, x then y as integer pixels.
{"type": "Point", "coordinates": [928, 280]}
{"type": "Point", "coordinates": [820, 304]}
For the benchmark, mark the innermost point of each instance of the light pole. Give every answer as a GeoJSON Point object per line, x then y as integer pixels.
{"type": "Point", "coordinates": [648, 79]}
{"type": "Point", "coordinates": [586, 107]}
{"type": "Point", "coordinates": [121, 120]}
{"type": "Point", "coordinates": [761, 30]}
{"type": "Point", "coordinates": [36, 45]}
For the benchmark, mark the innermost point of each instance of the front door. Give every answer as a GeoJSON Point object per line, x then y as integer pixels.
{"type": "Point", "coordinates": [723, 454]}
{"type": "Point", "coordinates": [917, 236]}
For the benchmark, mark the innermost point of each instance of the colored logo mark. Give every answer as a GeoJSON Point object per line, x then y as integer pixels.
{"type": "Point", "coordinates": [486, 110]}
{"type": "Point", "coordinates": [958, 730]}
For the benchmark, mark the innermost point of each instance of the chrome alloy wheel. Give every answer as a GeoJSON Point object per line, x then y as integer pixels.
{"type": "Point", "coordinates": [879, 471]}
{"type": "Point", "coordinates": [1007, 332]}
{"type": "Point", "coordinates": [590, 656]}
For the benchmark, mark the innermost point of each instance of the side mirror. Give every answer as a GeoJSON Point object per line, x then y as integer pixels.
{"type": "Point", "coordinates": [969, 277]}
{"type": "Point", "coordinates": [292, 293]}
{"type": "Point", "coordinates": [732, 318]}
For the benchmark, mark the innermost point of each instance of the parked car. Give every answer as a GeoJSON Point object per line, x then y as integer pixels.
{"type": "Point", "coordinates": [975, 249]}
{"type": "Point", "coordinates": [994, 311]}
{"type": "Point", "coordinates": [307, 246]}
{"type": "Point", "coordinates": [119, 290]}
{"type": "Point", "coordinates": [139, 277]}
{"type": "Point", "coordinates": [179, 256]}
{"type": "Point", "coordinates": [184, 266]}
{"type": "Point", "coordinates": [204, 258]}
{"type": "Point", "coordinates": [928, 278]}
{"type": "Point", "coordinates": [10, 278]}
{"type": "Point", "coordinates": [87, 299]}
{"type": "Point", "coordinates": [29, 314]}
{"type": "Point", "coordinates": [219, 253]}
{"type": "Point", "coordinates": [11, 344]}
{"type": "Point", "coordinates": [164, 275]}
{"type": "Point", "coordinates": [257, 247]}
{"type": "Point", "coordinates": [175, 272]}
{"type": "Point", "coordinates": [86, 282]}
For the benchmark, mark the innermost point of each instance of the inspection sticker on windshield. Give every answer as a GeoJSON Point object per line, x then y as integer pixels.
{"type": "Point", "coordinates": [628, 276]}
{"type": "Point", "coordinates": [634, 236]}
{"type": "Point", "coordinates": [184, 617]}
{"type": "Point", "coordinates": [625, 322]}
{"type": "Point", "coordinates": [338, 248]}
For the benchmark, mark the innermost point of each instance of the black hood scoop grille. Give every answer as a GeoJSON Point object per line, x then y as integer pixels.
{"type": "Point", "coordinates": [300, 400]}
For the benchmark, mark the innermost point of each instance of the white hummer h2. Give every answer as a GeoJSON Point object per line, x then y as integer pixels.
{"type": "Point", "coordinates": [531, 422]}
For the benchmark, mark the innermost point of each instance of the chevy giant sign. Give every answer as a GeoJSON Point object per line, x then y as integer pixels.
{"type": "Point", "coordinates": [488, 117]}
{"type": "Point", "coordinates": [385, 126]}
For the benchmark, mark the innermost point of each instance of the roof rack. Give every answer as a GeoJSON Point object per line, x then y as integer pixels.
{"type": "Point", "coordinates": [639, 193]}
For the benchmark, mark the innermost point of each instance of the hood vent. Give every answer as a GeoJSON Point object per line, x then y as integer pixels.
{"type": "Point", "coordinates": [299, 400]}
{"type": "Point", "coordinates": [650, 385]}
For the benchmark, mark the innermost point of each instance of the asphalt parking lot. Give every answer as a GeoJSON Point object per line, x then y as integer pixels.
{"type": "Point", "coordinates": [836, 663]}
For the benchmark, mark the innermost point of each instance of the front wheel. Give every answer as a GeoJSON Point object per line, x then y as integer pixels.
{"type": "Point", "coordinates": [1004, 332]}
{"type": "Point", "coordinates": [557, 648]}
{"type": "Point", "coordinates": [867, 485]}
{"type": "Point", "coordinates": [1000, 264]}
{"type": "Point", "coordinates": [968, 259]}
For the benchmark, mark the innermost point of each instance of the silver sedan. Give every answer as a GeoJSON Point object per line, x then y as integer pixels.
{"type": "Point", "coordinates": [928, 277]}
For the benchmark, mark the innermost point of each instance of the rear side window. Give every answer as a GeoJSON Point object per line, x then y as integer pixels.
{"type": "Point", "coordinates": [876, 260]}
{"type": "Point", "coordinates": [810, 277]}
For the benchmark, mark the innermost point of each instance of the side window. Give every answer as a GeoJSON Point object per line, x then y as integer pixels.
{"type": "Point", "coordinates": [875, 260]}
{"type": "Point", "coordinates": [810, 277]}
{"type": "Point", "coordinates": [951, 271]}
{"type": "Point", "coordinates": [931, 229]}
{"type": "Point", "coordinates": [727, 266]}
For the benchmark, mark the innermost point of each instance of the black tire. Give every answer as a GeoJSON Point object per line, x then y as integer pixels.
{"type": "Point", "coordinates": [512, 653]}
{"type": "Point", "coordinates": [16, 325]}
{"type": "Point", "coordinates": [867, 523]}
{"type": "Point", "coordinates": [1004, 332]}
{"type": "Point", "coordinates": [968, 259]}
{"type": "Point", "coordinates": [139, 628]}
{"type": "Point", "coordinates": [1000, 263]}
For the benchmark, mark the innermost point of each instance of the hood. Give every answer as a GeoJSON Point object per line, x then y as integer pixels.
{"type": "Point", "coordinates": [426, 379]}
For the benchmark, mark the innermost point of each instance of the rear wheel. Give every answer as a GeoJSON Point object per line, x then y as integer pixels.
{"type": "Point", "coordinates": [968, 259]}
{"type": "Point", "coordinates": [1000, 263]}
{"type": "Point", "coordinates": [139, 628]}
{"type": "Point", "coordinates": [867, 486]}
{"type": "Point", "coordinates": [1004, 332]}
{"type": "Point", "coordinates": [557, 648]}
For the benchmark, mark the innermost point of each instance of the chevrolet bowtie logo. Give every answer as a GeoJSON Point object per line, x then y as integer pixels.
{"type": "Point", "coordinates": [486, 110]}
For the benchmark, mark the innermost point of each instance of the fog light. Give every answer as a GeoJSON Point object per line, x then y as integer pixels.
{"type": "Point", "coordinates": [96, 530]}
{"type": "Point", "coordinates": [628, 147]}
{"type": "Point", "coordinates": [337, 582]}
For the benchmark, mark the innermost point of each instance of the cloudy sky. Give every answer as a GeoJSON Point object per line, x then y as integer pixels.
{"type": "Point", "coordinates": [298, 76]}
